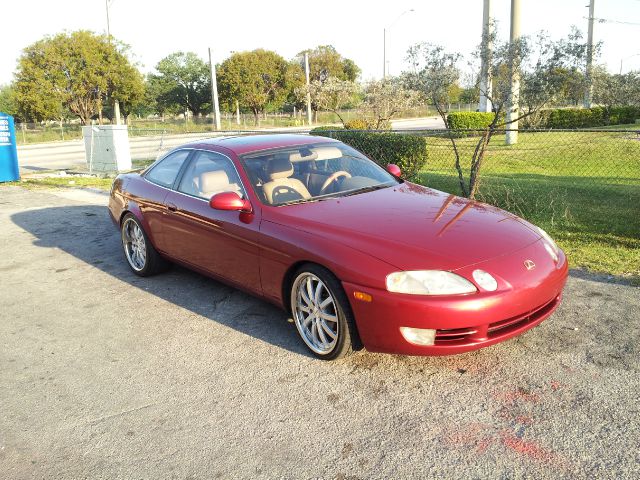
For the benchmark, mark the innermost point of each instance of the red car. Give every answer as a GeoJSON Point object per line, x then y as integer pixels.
{"type": "Point", "coordinates": [355, 254]}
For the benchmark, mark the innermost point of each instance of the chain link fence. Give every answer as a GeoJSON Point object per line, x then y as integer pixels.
{"type": "Point", "coordinates": [588, 178]}
{"type": "Point", "coordinates": [583, 183]}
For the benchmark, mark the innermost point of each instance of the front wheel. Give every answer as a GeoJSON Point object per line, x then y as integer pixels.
{"type": "Point", "coordinates": [322, 314]}
{"type": "Point", "coordinates": [143, 259]}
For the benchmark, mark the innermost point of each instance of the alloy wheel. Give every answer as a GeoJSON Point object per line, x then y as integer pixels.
{"type": "Point", "coordinates": [315, 313]}
{"type": "Point", "coordinates": [134, 244]}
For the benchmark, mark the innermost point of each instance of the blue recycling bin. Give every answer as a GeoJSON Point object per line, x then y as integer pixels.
{"type": "Point", "coordinates": [8, 152]}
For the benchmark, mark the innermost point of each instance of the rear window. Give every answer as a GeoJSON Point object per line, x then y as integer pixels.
{"type": "Point", "coordinates": [164, 173]}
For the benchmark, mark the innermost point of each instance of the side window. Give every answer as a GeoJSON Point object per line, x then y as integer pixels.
{"type": "Point", "coordinates": [210, 173]}
{"type": "Point", "coordinates": [165, 172]}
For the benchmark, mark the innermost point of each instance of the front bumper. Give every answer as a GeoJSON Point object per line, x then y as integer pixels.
{"type": "Point", "coordinates": [463, 322]}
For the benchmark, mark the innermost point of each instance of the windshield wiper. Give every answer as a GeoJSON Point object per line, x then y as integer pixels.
{"type": "Point", "coordinates": [308, 200]}
{"type": "Point", "coordinates": [369, 188]}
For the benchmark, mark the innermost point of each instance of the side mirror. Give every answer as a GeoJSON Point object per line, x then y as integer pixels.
{"type": "Point", "coordinates": [230, 201]}
{"type": "Point", "coordinates": [394, 170]}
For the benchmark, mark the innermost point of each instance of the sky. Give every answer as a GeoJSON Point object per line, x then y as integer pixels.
{"type": "Point", "coordinates": [155, 29]}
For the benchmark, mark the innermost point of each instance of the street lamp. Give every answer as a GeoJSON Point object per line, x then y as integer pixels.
{"type": "Point", "coordinates": [626, 58]}
{"type": "Point", "coordinates": [384, 42]}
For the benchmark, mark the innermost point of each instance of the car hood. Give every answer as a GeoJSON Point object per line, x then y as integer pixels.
{"type": "Point", "coordinates": [412, 227]}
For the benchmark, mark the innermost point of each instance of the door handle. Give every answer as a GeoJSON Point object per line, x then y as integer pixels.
{"type": "Point", "coordinates": [171, 207]}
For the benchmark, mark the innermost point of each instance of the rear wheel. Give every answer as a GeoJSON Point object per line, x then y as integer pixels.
{"type": "Point", "coordinates": [143, 259]}
{"type": "Point", "coordinates": [322, 314]}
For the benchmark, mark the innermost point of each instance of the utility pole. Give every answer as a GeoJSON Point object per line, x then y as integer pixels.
{"type": "Point", "coordinates": [214, 93]}
{"type": "Point", "coordinates": [485, 57]}
{"type": "Point", "coordinates": [513, 105]}
{"type": "Point", "coordinates": [116, 103]}
{"type": "Point", "coordinates": [384, 53]}
{"type": "Point", "coordinates": [306, 74]}
{"type": "Point", "coordinates": [588, 72]}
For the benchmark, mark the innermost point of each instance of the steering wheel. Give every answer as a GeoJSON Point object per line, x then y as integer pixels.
{"type": "Point", "coordinates": [332, 178]}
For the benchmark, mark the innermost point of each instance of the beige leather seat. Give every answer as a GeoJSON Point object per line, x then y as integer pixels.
{"type": "Point", "coordinates": [211, 183]}
{"type": "Point", "coordinates": [280, 187]}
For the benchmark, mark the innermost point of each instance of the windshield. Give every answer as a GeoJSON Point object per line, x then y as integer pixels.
{"type": "Point", "coordinates": [313, 172]}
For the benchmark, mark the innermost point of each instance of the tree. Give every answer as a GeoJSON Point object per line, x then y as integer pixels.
{"type": "Point", "coordinates": [255, 79]}
{"type": "Point", "coordinates": [128, 88]}
{"type": "Point", "coordinates": [383, 99]}
{"type": "Point", "coordinates": [540, 64]}
{"type": "Point", "coordinates": [325, 62]}
{"type": "Point", "coordinates": [182, 81]}
{"type": "Point", "coordinates": [74, 71]}
{"type": "Point", "coordinates": [8, 101]}
{"type": "Point", "coordinates": [611, 90]}
{"type": "Point", "coordinates": [331, 94]}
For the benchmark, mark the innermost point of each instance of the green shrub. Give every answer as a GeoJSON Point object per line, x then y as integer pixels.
{"type": "Point", "coordinates": [367, 124]}
{"type": "Point", "coordinates": [409, 152]}
{"type": "Point", "coordinates": [357, 124]}
{"type": "Point", "coordinates": [570, 118]}
{"type": "Point", "coordinates": [623, 115]}
{"type": "Point", "coordinates": [469, 120]}
{"type": "Point", "coordinates": [324, 128]}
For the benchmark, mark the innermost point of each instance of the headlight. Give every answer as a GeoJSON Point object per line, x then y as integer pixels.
{"type": "Point", "coordinates": [485, 280]}
{"type": "Point", "coordinates": [428, 282]}
{"type": "Point", "coordinates": [549, 245]}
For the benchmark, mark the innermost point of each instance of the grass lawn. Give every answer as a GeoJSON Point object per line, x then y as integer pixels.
{"type": "Point", "coordinates": [64, 182]}
{"type": "Point", "coordinates": [582, 188]}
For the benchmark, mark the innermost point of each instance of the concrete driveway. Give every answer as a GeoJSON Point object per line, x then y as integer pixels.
{"type": "Point", "coordinates": [107, 375]}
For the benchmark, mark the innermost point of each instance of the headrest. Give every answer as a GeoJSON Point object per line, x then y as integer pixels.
{"type": "Point", "coordinates": [214, 181]}
{"type": "Point", "coordinates": [327, 152]}
{"type": "Point", "coordinates": [279, 167]}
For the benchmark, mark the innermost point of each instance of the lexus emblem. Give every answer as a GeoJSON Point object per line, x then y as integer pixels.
{"type": "Point", "coordinates": [529, 265]}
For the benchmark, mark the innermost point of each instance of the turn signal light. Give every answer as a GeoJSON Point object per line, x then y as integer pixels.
{"type": "Point", "coordinates": [365, 297]}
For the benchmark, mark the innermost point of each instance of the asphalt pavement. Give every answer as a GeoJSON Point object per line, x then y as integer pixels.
{"type": "Point", "coordinates": [107, 375]}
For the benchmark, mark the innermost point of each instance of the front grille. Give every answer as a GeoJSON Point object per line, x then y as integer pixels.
{"type": "Point", "coordinates": [453, 334]}
{"type": "Point", "coordinates": [449, 336]}
{"type": "Point", "coordinates": [521, 320]}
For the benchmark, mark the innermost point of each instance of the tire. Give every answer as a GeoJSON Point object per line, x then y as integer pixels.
{"type": "Point", "coordinates": [142, 258]}
{"type": "Point", "coordinates": [322, 314]}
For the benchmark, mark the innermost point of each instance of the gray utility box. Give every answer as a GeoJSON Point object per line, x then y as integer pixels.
{"type": "Point", "coordinates": [106, 148]}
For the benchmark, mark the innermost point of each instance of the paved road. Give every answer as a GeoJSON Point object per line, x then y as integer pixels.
{"type": "Point", "coordinates": [71, 154]}
{"type": "Point", "coordinates": [107, 375]}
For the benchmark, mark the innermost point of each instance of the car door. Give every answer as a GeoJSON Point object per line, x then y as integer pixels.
{"type": "Point", "coordinates": [222, 243]}
{"type": "Point", "coordinates": [151, 193]}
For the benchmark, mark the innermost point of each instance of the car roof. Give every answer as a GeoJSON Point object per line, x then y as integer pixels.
{"type": "Point", "coordinates": [241, 144]}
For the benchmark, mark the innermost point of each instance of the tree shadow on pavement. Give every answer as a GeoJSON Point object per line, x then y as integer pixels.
{"type": "Point", "coordinates": [87, 233]}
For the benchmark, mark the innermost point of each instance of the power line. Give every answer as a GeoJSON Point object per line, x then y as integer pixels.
{"type": "Point", "coordinates": [606, 20]}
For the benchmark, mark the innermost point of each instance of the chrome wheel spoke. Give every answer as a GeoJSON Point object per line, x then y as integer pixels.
{"type": "Point", "coordinates": [316, 294]}
{"type": "Point", "coordinates": [310, 291]}
{"type": "Point", "coordinates": [305, 298]}
{"type": "Point", "coordinates": [304, 308]}
{"type": "Point", "coordinates": [327, 301]}
{"type": "Point", "coordinates": [331, 318]}
{"type": "Point", "coordinates": [314, 333]}
{"type": "Point", "coordinates": [321, 334]}
{"type": "Point", "coordinates": [327, 329]}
